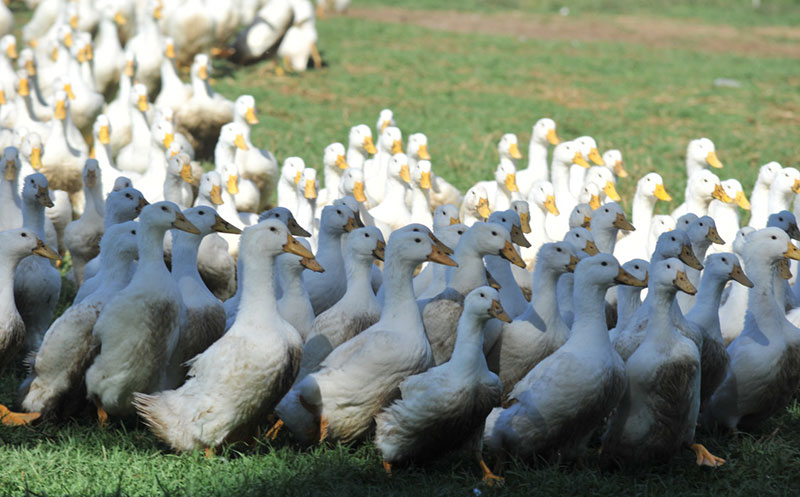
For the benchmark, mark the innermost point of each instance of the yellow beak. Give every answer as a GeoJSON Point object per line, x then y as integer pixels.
{"type": "Point", "coordinates": [454, 220]}
{"type": "Point", "coordinates": [661, 193]}
{"type": "Point", "coordinates": [11, 170]}
{"type": "Point", "coordinates": [423, 152]}
{"type": "Point", "coordinates": [169, 52]}
{"type": "Point", "coordinates": [611, 191]}
{"type": "Point", "coordinates": [168, 138]}
{"type": "Point", "coordinates": [73, 22]}
{"type": "Point", "coordinates": [310, 190]}
{"type": "Point", "coordinates": [525, 220]}
{"type": "Point", "coordinates": [216, 195]}
{"type": "Point", "coordinates": [23, 90]}
{"type": "Point", "coordinates": [358, 191]}
{"type": "Point", "coordinates": [405, 173]}
{"type": "Point", "coordinates": [297, 177]}
{"type": "Point", "coordinates": [186, 173]}
{"type": "Point", "coordinates": [142, 103]}
{"type": "Point", "coordinates": [619, 170]}
{"type": "Point", "coordinates": [384, 125]}
{"type": "Point", "coordinates": [233, 184]}
{"type": "Point", "coordinates": [61, 110]}
{"type": "Point", "coordinates": [341, 163]}
{"type": "Point", "coordinates": [202, 72]}
{"type": "Point", "coordinates": [792, 252]}
{"type": "Point", "coordinates": [239, 142]}
{"type": "Point", "coordinates": [712, 160]}
{"type": "Point", "coordinates": [11, 51]}
{"type": "Point", "coordinates": [397, 146]}
{"type": "Point", "coordinates": [483, 207]}
{"type": "Point", "coordinates": [120, 20]}
{"type": "Point", "coordinates": [719, 194]}
{"type": "Point", "coordinates": [68, 89]}
{"type": "Point", "coordinates": [550, 205]}
{"type": "Point", "coordinates": [30, 67]}
{"type": "Point", "coordinates": [796, 186]}
{"type": "Point", "coordinates": [513, 151]}
{"type": "Point", "coordinates": [68, 40]}
{"type": "Point", "coordinates": [552, 137]}
{"type": "Point", "coordinates": [103, 136]}
{"type": "Point", "coordinates": [250, 115]}
{"type": "Point", "coordinates": [595, 157]}
{"type": "Point", "coordinates": [742, 201]}
{"type": "Point", "coordinates": [594, 203]}
{"type": "Point", "coordinates": [425, 180]}
{"type": "Point", "coordinates": [579, 160]}
{"type": "Point", "coordinates": [129, 68]}
{"type": "Point", "coordinates": [157, 14]}
{"type": "Point", "coordinates": [368, 145]}
{"type": "Point", "coordinates": [511, 182]}
{"type": "Point", "coordinates": [36, 158]}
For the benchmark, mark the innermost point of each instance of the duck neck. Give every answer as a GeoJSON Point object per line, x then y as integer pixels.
{"type": "Point", "coordinates": [355, 157]}
{"type": "Point", "coordinates": [114, 271]}
{"type": "Point", "coordinates": [660, 325]}
{"type": "Point", "coordinates": [258, 296]}
{"type": "Point", "coordinates": [201, 88]}
{"type": "Point", "coordinates": [537, 155]}
{"type": "Point", "coordinates": [399, 301]}
{"type": "Point", "coordinates": [184, 255]}
{"type": "Point", "coordinates": [705, 311]}
{"type": "Point", "coordinates": [291, 279]}
{"type": "Point", "coordinates": [589, 325]}
{"type": "Point", "coordinates": [104, 156]}
{"type": "Point", "coordinates": [140, 129]}
{"type": "Point", "coordinates": [395, 193]}
{"type": "Point", "coordinates": [94, 200]}
{"type": "Point", "coordinates": [150, 241]}
{"type": "Point", "coordinates": [244, 126]}
{"type": "Point", "coordinates": [468, 350]}
{"type": "Point", "coordinates": [700, 248]}
{"type": "Point", "coordinates": [543, 294]}
{"type": "Point", "coordinates": [332, 179]}
{"type": "Point", "coordinates": [8, 266]}
{"type": "Point", "coordinates": [33, 217]}
{"type": "Point", "coordinates": [642, 211]}
{"type": "Point", "coordinates": [559, 173]}
{"type": "Point", "coordinates": [358, 275]}
{"type": "Point", "coordinates": [605, 239]}
{"type": "Point", "coordinates": [287, 194]}
{"type": "Point", "coordinates": [9, 189]}
{"type": "Point", "coordinates": [470, 273]}
{"type": "Point", "coordinates": [500, 269]}
{"type": "Point", "coordinates": [168, 75]}
{"type": "Point", "coordinates": [629, 299]}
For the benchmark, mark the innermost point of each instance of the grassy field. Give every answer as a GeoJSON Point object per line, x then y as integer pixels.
{"type": "Point", "coordinates": [637, 76]}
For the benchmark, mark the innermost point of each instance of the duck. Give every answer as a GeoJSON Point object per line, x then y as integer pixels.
{"type": "Point", "coordinates": [540, 330]}
{"type": "Point", "coordinates": [174, 92]}
{"type": "Point", "coordinates": [291, 174]}
{"type": "Point", "coordinates": [179, 182]}
{"type": "Point", "coordinates": [85, 102]}
{"type": "Point", "coordinates": [294, 304]}
{"type": "Point", "coordinates": [231, 148]}
{"type": "Point", "coordinates": [606, 222]}
{"type": "Point", "coordinates": [60, 215]}
{"type": "Point", "coordinates": [119, 109]}
{"type": "Point", "coordinates": [649, 190]}
{"type": "Point", "coordinates": [107, 46]}
{"type": "Point", "coordinates": [577, 173]}
{"type": "Point", "coordinates": [613, 161]}
{"type": "Point", "coordinates": [299, 43]}
{"type": "Point", "coordinates": [543, 133]}
{"type": "Point", "coordinates": [759, 198]}
{"type": "Point", "coordinates": [733, 305]}
{"type": "Point", "coordinates": [513, 285]}
{"type": "Point", "coordinates": [356, 311]}
{"type": "Point", "coordinates": [700, 154]}
{"type": "Point", "coordinates": [134, 157]}
{"type": "Point", "coordinates": [218, 403]}
{"type": "Point", "coordinates": [702, 233]}
{"type": "Point", "coordinates": [339, 400]}
{"type": "Point", "coordinates": [25, 117]}
{"type": "Point", "coordinates": [761, 378]}
{"type": "Point", "coordinates": [101, 151]}
{"type": "Point", "coordinates": [604, 181]}
{"type": "Point", "coordinates": [726, 215]}
{"type": "Point", "coordinates": [325, 289]}
{"type": "Point", "coordinates": [785, 186]}
{"type": "Point", "coordinates": [191, 24]}
{"type": "Point", "coordinates": [307, 201]}
{"type": "Point", "coordinates": [582, 242]}
{"type": "Point", "coordinates": [260, 165]}
{"type": "Point", "coordinates": [40, 107]}
{"type": "Point", "coordinates": [702, 188]}
{"type": "Point", "coordinates": [393, 212]}
{"type": "Point", "coordinates": [440, 313]}
{"type": "Point", "coordinates": [202, 321]}
{"type": "Point", "coordinates": [82, 236]}
{"type": "Point", "coordinates": [421, 211]}
{"type": "Point", "coordinates": [37, 284]}
{"type": "Point", "coordinates": [352, 185]}
{"type": "Point", "coordinates": [376, 170]}
{"type": "Point", "coordinates": [334, 165]}
{"type": "Point", "coordinates": [10, 201]}
{"type": "Point", "coordinates": [629, 297]}
{"type": "Point", "coordinates": [74, 135]}
{"type": "Point", "coordinates": [443, 409]}
{"type": "Point", "coordinates": [558, 412]}
{"type": "Point", "coordinates": [61, 162]}
{"type": "Point", "coordinates": [57, 369]}
{"type": "Point", "coordinates": [162, 134]}
{"type": "Point", "coordinates": [475, 206]}
{"type": "Point", "coordinates": [138, 328]}
{"type": "Point", "coordinates": [260, 37]}
{"type": "Point", "coordinates": [417, 149]}
{"type": "Point", "coordinates": [564, 155]}
{"type": "Point", "coordinates": [201, 118]}
{"type": "Point", "coordinates": [146, 46]}
{"type": "Point", "coordinates": [581, 216]}
{"type": "Point", "coordinates": [30, 155]}
{"type": "Point", "coordinates": [659, 225]}
{"type": "Point", "coordinates": [658, 413]}
{"type": "Point", "coordinates": [359, 144]}
{"type": "Point", "coordinates": [541, 205]}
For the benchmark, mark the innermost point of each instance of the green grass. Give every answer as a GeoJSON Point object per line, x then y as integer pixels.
{"type": "Point", "coordinates": [465, 91]}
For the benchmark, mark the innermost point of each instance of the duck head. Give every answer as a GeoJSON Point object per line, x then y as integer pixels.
{"type": "Point", "coordinates": [167, 215]}
{"type": "Point", "coordinates": [511, 221]}
{"type": "Point", "coordinates": [786, 221]}
{"type": "Point", "coordinates": [353, 183]}
{"type": "Point", "coordinates": [701, 153]}
{"type": "Point", "coordinates": [582, 242]}
{"type": "Point", "coordinates": [491, 239]}
{"type": "Point", "coordinates": [604, 179]}
{"type": "Point", "coordinates": [588, 147]}
{"type": "Point", "coordinates": [366, 244]}
{"type": "Point", "coordinates": [557, 258]}
{"type": "Point", "coordinates": [35, 190]}
{"type": "Point", "coordinates": [610, 216]}
{"type": "Point", "coordinates": [603, 271]}
{"type": "Point", "coordinates": [360, 138]}
{"type": "Point", "coordinates": [676, 244]}
{"type": "Point", "coordinates": [20, 243]}
{"type": "Point", "coordinates": [613, 161]}
{"type": "Point", "coordinates": [244, 109]}
{"type": "Point", "coordinates": [286, 217]}
{"type": "Point", "coordinates": [508, 147]}
{"type": "Point", "coordinates": [307, 186]}
{"type": "Point", "coordinates": [418, 146]}
{"type": "Point", "coordinates": [385, 119]}
{"type": "Point", "coordinates": [445, 215]}
{"type": "Point", "coordinates": [652, 185]}
{"type": "Point", "coordinates": [391, 141]}
{"type": "Point", "coordinates": [638, 268]}
{"type": "Point", "coordinates": [476, 202]}
{"type": "Point", "coordinates": [337, 220]}
{"type": "Point", "coordinates": [421, 175]}
{"type": "Point", "coordinates": [725, 266]}
{"type": "Point", "coordinates": [567, 153]}
{"type": "Point", "coordinates": [523, 210]}
{"type": "Point", "coordinates": [506, 175]}
{"type": "Point", "coordinates": [544, 132]}
{"type": "Point", "coordinates": [669, 276]}
{"type": "Point", "coordinates": [483, 303]}
{"type": "Point", "coordinates": [333, 158]}
{"type": "Point", "coordinates": [32, 149]}
{"type": "Point", "coordinates": [126, 203]}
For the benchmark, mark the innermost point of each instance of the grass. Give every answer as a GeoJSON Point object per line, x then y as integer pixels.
{"type": "Point", "coordinates": [464, 91]}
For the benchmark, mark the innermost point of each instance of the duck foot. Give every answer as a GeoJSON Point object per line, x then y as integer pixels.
{"type": "Point", "coordinates": [209, 452]}
{"type": "Point", "coordinates": [315, 56]}
{"type": "Point", "coordinates": [102, 417]}
{"type": "Point", "coordinates": [490, 478]}
{"type": "Point", "coordinates": [10, 418]}
{"type": "Point", "coordinates": [323, 428]}
{"type": "Point", "coordinates": [706, 458]}
{"type": "Point", "coordinates": [222, 53]}
{"type": "Point", "coordinates": [272, 434]}
{"type": "Point", "coordinates": [387, 466]}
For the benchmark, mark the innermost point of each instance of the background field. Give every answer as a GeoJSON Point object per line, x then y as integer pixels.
{"type": "Point", "coordinates": [637, 76]}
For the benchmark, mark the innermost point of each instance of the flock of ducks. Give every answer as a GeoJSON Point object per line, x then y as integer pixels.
{"type": "Point", "coordinates": [518, 318]}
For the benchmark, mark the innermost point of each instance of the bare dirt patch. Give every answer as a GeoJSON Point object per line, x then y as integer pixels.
{"type": "Point", "coordinates": [648, 31]}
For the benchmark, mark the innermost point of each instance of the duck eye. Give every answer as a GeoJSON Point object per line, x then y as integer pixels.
{"type": "Point", "coordinates": [635, 267]}
{"type": "Point", "coordinates": [701, 224]}
{"type": "Point", "coordinates": [774, 237]}
{"type": "Point", "coordinates": [272, 228]}
{"type": "Point", "coordinates": [24, 235]}
{"type": "Point", "coordinates": [128, 195]}
{"type": "Point", "coordinates": [133, 232]}
{"type": "Point", "coordinates": [482, 295]}
{"type": "Point", "coordinates": [558, 249]}
{"type": "Point", "coordinates": [724, 260]}
{"type": "Point", "coordinates": [606, 210]}
{"type": "Point", "coordinates": [494, 233]}
{"type": "Point", "coordinates": [417, 240]}
{"type": "Point", "coordinates": [604, 263]}
{"type": "Point", "coordinates": [164, 208]}
{"type": "Point", "coordinates": [201, 212]}
{"type": "Point", "coordinates": [366, 235]}
{"type": "Point", "coordinates": [669, 267]}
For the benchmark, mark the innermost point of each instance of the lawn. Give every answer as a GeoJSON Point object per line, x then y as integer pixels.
{"type": "Point", "coordinates": [635, 75]}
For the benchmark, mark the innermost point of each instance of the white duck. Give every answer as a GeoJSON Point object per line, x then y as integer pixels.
{"type": "Point", "coordinates": [376, 170]}
{"type": "Point", "coordinates": [82, 236]}
{"type": "Point", "coordinates": [649, 190]}
{"type": "Point", "coordinates": [134, 157]}
{"type": "Point", "coordinates": [242, 376]}
{"type": "Point", "coordinates": [256, 40]}
{"type": "Point", "coordinates": [420, 197]}
{"type": "Point", "coordinates": [294, 305]}
{"type": "Point", "coordinates": [107, 47]}
{"type": "Point", "coordinates": [119, 109]}
{"type": "Point", "coordinates": [564, 155]}
{"type": "Point", "coordinates": [179, 182]}
{"type": "Point", "coordinates": [260, 166]}
{"type": "Point", "coordinates": [291, 174]}
{"type": "Point", "coordinates": [542, 134]}
{"type": "Point", "coordinates": [702, 188]}
{"type": "Point", "coordinates": [299, 44]}
{"type": "Point", "coordinates": [306, 211]}
{"type": "Point", "coordinates": [393, 212]}
{"type": "Point", "coordinates": [61, 162]}
{"type": "Point", "coordinates": [759, 199]}
{"type": "Point", "coordinates": [174, 92]}
{"type": "Point", "coordinates": [334, 165]}
{"type": "Point", "coordinates": [475, 206]}
{"type": "Point", "coordinates": [577, 172]}
{"type": "Point", "coordinates": [732, 310]}
{"type": "Point", "coordinates": [146, 45]}
{"type": "Point", "coordinates": [726, 215]}
{"type": "Point", "coordinates": [542, 205]}
{"type": "Point", "coordinates": [700, 154]}
{"type": "Point", "coordinates": [359, 144]}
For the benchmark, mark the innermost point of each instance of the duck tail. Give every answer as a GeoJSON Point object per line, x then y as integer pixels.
{"type": "Point", "coordinates": [154, 412]}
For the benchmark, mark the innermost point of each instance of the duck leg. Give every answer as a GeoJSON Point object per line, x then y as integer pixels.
{"type": "Point", "coordinates": [489, 478]}
{"type": "Point", "coordinates": [323, 427]}
{"type": "Point", "coordinates": [102, 417]}
{"type": "Point", "coordinates": [272, 434]}
{"type": "Point", "coordinates": [387, 466]}
{"type": "Point", "coordinates": [209, 452]}
{"type": "Point", "coordinates": [315, 56]}
{"type": "Point", "coordinates": [706, 458]}
{"type": "Point", "coordinates": [10, 418]}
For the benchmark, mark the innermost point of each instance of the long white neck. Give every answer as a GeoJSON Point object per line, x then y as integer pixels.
{"type": "Point", "coordinates": [764, 300]}
{"type": "Point", "coordinates": [333, 177]}
{"type": "Point", "coordinates": [140, 130]}
{"type": "Point", "coordinates": [605, 239]}
{"type": "Point", "coordinates": [589, 326]}
{"type": "Point", "coordinates": [559, 173]}
{"type": "Point", "coordinates": [291, 281]}
{"type": "Point", "coordinates": [329, 249]}
{"type": "Point", "coordinates": [33, 217]}
{"type": "Point", "coordinates": [202, 89]}
{"type": "Point", "coordinates": [359, 284]}
{"type": "Point", "coordinates": [395, 194]}
{"type": "Point", "coordinates": [150, 240]}
{"type": "Point", "coordinates": [114, 273]}
{"type": "Point", "coordinates": [537, 156]}
{"type": "Point", "coordinates": [780, 200]}
{"type": "Point", "coordinates": [8, 266]}
{"type": "Point", "coordinates": [759, 205]}
{"type": "Point", "coordinates": [287, 194]}
{"type": "Point", "coordinates": [706, 309]}
{"type": "Point", "coordinates": [629, 300]}
{"type": "Point", "coordinates": [243, 125]}
{"type": "Point", "coordinates": [184, 255]}
{"type": "Point", "coordinates": [470, 273]}
{"type": "Point", "coordinates": [355, 158]}
{"type": "Point", "coordinates": [642, 211]}
{"type": "Point", "coordinates": [257, 303]}
{"type": "Point", "coordinates": [468, 357]}
{"type": "Point", "coordinates": [95, 207]}
{"type": "Point", "coordinates": [544, 302]}
{"type": "Point", "coordinates": [660, 326]}
{"type": "Point", "coordinates": [399, 304]}
{"type": "Point", "coordinates": [168, 75]}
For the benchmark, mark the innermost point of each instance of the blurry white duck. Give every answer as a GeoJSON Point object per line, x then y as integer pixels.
{"type": "Point", "coordinates": [134, 157]}
{"type": "Point", "coordinates": [146, 46]}
{"type": "Point", "coordinates": [649, 190]}
{"type": "Point", "coordinates": [260, 37]}
{"type": "Point", "coordinates": [119, 110]}
{"type": "Point", "coordinates": [334, 165]}
{"type": "Point", "coordinates": [564, 155]}
{"type": "Point", "coordinates": [61, 162]}
{"type": "Point", "coordinates": [475, 206]}
{"type": "Point", "coordinates": [299, 44]}
{"type": "Point", "coordinates": [107, 47]}
{"type": "Point", "coordinates": [703, 187]}
{"type": "Point", "coordinates": [376, 169]}
{"type": "Point", "coordinates": [359, 144]}
{"type": "Point", "coordinates": [700, 154]}
{"type": "Point", "coordinates": [82, 236]}
{"type": "Point", "coordinates": [577, 172]}
{"type": "Point", "coordinates": [294, 305]}
{"type": "Point", "coordinates": [393, 211]}
{"type": "Point", "coordinates": [174, 92]}
{"type": "Point", "coordinates": [726, 215]}
{"type": "Point", "coordinates": [260, 166]}
{"type": "Point", "coordinates": [542, 134]}
{"type": "Point", "coordinates": [759, 199]}
{"type": "Point", "coordinates": [542, 205]}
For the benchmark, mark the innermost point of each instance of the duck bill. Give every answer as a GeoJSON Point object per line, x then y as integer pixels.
{"type": "Point", "coordinates": [625, 278]}
{"type": "Point", "coordinates": [444, 248]}
{"type": "Point", "coordinates": [186, 173]}
{"type": "Point", "coordinates": [311, 264]}
{"type": "Point", "coordinates": [250, 115]}
{"type": "Point", "coordinates": [742, 201]}
{"type": "Point", "coordinates": [719, 194]}
{"type": "Point", "coordinates": [712, 160]}
{"type": "Point", "coordinates": [438, 256]}
{"type": "Point", "coordinates": [587, 222]}
{"type": "Point", "coordinates": [552, 137]}
{"type": "Point", "coordinates": [183, 224]}
{"type": "Point", "coordinates": [513, 151]}
{"type": "Point", "coordinates": [579, 160]}
{"type": "Point", "coordinates": [45, 251]}
{"type": "Point", "coordinates": [454, 220]}
{"type": "Point", "coordinates": [341, 162]}
{"type": "Point", "coordinates": [202, 72]}
{"type": "Point", "coordinates": [292, 246]}
{"type": "Point", "coordinates": [104, 136]}
{"type": "Point", "coordinates": [30, 67]}
{"type": "Point", "coordinates": [425, 180]}
{"type": "Point", "coordinates": [233, 184]}
{"type": "Point", "coordinates": [385, 124]}
{"type": "Point", "coordinates": [483, 207]}
{"type": "Point", "coordinates": [379, 252]}
{"type": "Point", "coordinates": [130, 68]}
{"type": "Point", "coordinates": [737, 274]}
{"type": "Point", "coordinates": [792, 252]}
{"type": "Point", "coordinates": [142, 204]}
{"type": "Point", "coordinates": [621, 222]}
{"type": "Point", "coordinates": [793, 232]}
{"type": "Point", "coordinates": [142, 104]}
{"type": "Point", "coordinates": [590, 248]}
{"type": "Point", "coordinates": [295, 229]}
{"type": "Point", "coordinates": [222, 226]}
{"type": "Point", "coordinates": [297, 177]}
{"type": "Point", "coordinates": [168, 139]}
{"type": "Point", "coordinates": [61, 110]}
{"type": "Point", "coordinates": [518, 237]}
{"type": "Point", "coordinates": [683, 283]}
{"type": "Point", "coordinates": [573, 263]}
{"type": "Point", "coordinates": [497, 311]}
{"type": "Point", "coordinates": [713, 236]}
{"type": "Point", "coordinates": [594, 156]}
{"type": "Point", "coordinates": [43, 196]}
{"type": "Point", "coordinates": [405, 174]}
{"type": "Point", "coordinates": [169, 52]}
{"type": "Point", "coordinates": [310, 190]}
{"type": "Point", "coordinates": [240, 143]}
{"type": "Point", "coordinates": [368, 145]}
{"type": "Point", "coordinates": [509, 253]}
{"type": "Point", "coordinates": [661, 193]}
{"type": "Point", "coordinates": [525, 220]}
{"type": "Point", "coordinates": [422, 153]}
{"type": "Point", "coordinates": [358, 191]}
{"type": "Point", "coordinates": [397, 146]}
{"type": "Point", "coordinates": [511, 182]}
{"type": "Point", "coordinates": [68, 89]}
{"type": "Point", "coordinates": [216, 195]}
{"type": "Point", "coordinates": [594, 202]}
{"type": "Point", "coordinates": [687, 257]}
{"type": "Point", "coordinates": [24, 89]}
{"type": "Point", "coordinates": [619, 170]}
{"type": "Point", "coordinates": [36, 158]}
{"type": "Point", "coordinates": [796, 186]}
{"type": "Point", "coordinates": [783, 269]}
{"type": "Point", "coordinates": [611, 191]}
{"type": "Point", "coordinates": [550, 205]}
{"type": "Point", "coordinates": [11, 170]}
{"type": "Point", "coordinates": [11, 51]}
{"type": "Point", "coordinates": [351, 225]}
